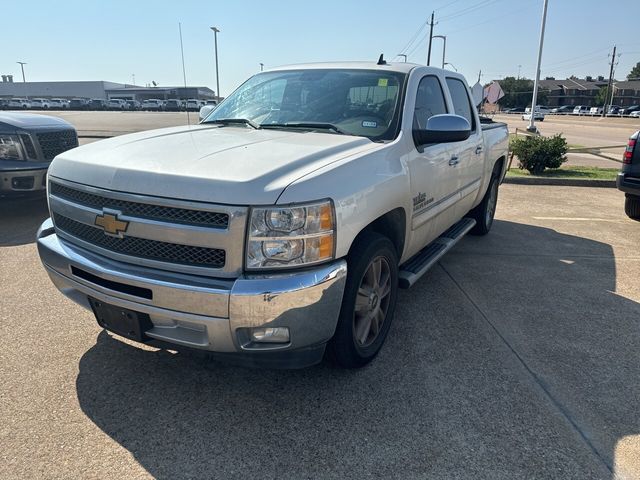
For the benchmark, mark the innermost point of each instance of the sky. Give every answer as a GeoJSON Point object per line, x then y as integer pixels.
{"type": "Point", "coordinates": [115, 40]}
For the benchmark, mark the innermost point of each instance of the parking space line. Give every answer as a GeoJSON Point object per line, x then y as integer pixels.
{"type": "Point", "coordinates": [563, 411]}
{"type": "Point", "coordinates": [581, 219]}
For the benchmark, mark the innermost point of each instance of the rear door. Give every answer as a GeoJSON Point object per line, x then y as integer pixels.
{"type": "Point", "coordinates": [470, 153]}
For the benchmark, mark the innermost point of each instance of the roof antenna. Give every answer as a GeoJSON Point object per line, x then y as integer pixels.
{"type": "Point", "coordinates": [381, 60]}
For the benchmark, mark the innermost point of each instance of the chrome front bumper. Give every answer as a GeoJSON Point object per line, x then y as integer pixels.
{"type": "Point", "coordinates": [200, 312]}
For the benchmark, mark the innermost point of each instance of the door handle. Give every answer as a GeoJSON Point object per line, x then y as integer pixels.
{"type": "Point", "coordinates": [478, 149]}
{"type": "Point", "coordinates": [453, 161]}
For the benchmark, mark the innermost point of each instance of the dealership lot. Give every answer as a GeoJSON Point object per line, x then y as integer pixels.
{"type": "Point", "coordinates": [516, 356]}
{"type": "Point", "coordinates": [582, 131]}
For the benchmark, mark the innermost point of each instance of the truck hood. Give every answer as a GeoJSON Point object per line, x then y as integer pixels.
{"type": "Point", "coordinates": [17, 121]}
{"type": "Point", "coordinates": [220, 164]}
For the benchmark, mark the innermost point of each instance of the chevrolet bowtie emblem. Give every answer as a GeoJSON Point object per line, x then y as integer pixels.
{"type": "Point", "coordinates": [110, 224]}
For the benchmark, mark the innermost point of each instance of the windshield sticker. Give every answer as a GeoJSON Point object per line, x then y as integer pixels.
{"type": "Point", "coordinates": [383, 82]}
{"type": "Point", "coordinates": [369, 124]}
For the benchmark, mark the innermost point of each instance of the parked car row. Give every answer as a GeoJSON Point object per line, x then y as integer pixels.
{"type": "Point", "coordinates": [153, 104]}
{"type": "Point", "coordinates": [541, 111]}
{"type": "Point", "coordinates": [34, 103]}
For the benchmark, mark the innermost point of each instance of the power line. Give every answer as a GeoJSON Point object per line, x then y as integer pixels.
{"type": "Point", "coordinates": [445, 6]}
{"type": "Point", "coordinates": [493, 19]}
{"type": "Point", "coordinates": [415, 35]}
{"type": "Point", "coordinates": [469, 9]}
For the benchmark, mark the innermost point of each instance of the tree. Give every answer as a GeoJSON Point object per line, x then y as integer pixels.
{"type": "Point", "coordinates": [635, 72]}
{"type": "Point", "coordinates": [602, 95]}
{"type": "Point", "coordinates": [518, 92]}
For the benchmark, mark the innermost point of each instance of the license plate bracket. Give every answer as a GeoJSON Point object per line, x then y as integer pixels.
{"type": "Point", "coordinates": [122, 321]}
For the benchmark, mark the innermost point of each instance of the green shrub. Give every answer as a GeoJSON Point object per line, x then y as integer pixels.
{"type": "Point", "coordinates": [536, 153]}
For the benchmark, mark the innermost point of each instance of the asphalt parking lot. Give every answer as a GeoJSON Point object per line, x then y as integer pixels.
{"type": "Point", "coordinates": [515, 357]}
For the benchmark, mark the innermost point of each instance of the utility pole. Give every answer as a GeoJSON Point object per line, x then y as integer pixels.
{"type": "Point", "coordinates": [261, 66]}
{"type": "Point", "coordinates": [22, 64]}
{"type": "Point", "coordinates": [403, 55]}
{"type": "Point", "coordinates": [519, 67]}
{"type": "Point", "coordinates": [532, 127]}
{"type": "Point", "coordinates": [610, 82]}
{"type": "Point", "coordinates": [215, 41]}
{"type": "Point", "coordinates": [430, 39]}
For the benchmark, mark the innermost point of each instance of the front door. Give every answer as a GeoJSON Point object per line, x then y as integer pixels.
{"type": "Point", "coordinates": [433, 175]}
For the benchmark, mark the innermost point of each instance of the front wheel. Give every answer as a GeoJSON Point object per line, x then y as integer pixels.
{"type": "Point", "coordinates": [368, 303]}
{"type": "Point", "coordinates": [632, 206]}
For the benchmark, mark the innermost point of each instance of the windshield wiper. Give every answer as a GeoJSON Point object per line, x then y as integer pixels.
{"type": "Point", "coordinates": [232, 121]}
{"type": "Point", "coordinates": [309, 125]}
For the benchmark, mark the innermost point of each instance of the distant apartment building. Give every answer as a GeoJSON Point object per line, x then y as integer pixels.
{"type": "Point", "coordinates": [578, 91]}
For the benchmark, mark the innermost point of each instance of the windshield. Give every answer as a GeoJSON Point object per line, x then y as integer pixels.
{"type": "Point", "coordinates": [357, 102]}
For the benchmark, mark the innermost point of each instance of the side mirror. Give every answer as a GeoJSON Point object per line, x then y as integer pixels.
{"type": "Point", "coordinates": [205, 111]}
{"type": "Point", "coordinates": [444, 128]}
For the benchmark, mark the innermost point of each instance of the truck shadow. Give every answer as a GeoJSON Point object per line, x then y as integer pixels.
{"type": "Point", "coordinates": [20, 219]}
{"type": "Point", "coordinates": [445, 398]}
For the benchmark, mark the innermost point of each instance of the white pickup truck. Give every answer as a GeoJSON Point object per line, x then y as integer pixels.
{"type": "Point", "coordinates": [279, 229]}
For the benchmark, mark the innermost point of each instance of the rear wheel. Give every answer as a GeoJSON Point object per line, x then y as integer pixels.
{"type": "Point", "coordinates": [368, 303]}
{"type": "Point", "coordinates": [632, 206]}
{"type": "Point", "coordinates": [484, 213]}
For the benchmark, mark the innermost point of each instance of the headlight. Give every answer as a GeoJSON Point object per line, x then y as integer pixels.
{"type": "Point", "coordinates": [11, 148]}
{"type": "Point", "coordinates": [297, 235]}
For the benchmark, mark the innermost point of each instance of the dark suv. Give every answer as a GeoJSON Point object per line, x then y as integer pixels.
{"type": "Point", "coordinates": [629, 177]}
{"type": "Point", "coordinates": [28, 143]}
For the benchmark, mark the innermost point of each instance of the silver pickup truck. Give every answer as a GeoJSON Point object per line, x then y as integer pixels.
{"type": "Point", "coordinates": [279, 229]}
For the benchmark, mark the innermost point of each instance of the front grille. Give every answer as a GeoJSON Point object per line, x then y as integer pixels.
{"type": "Point", "coordinates": [54, 143]}
{"type": "Point", "coordinates": [28, 146]}
{"type": "Point", "coordinates": [143, 210]}
{"type": "Point", "coordinates": [142, 248]}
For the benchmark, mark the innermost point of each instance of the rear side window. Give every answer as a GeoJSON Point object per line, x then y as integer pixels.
{"type": "Point", "coordinates": [461, 102]}
{"type": "Point", "coordinates": [429, 101]}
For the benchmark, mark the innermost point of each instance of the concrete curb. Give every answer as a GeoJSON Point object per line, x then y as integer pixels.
{"type": "Point", "coordinates": [563, 182]}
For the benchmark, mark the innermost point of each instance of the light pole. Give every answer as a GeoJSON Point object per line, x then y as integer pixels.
{"type": "Point", "coordinates": [532, 127]}
{"type": "Point", "coordinates": [519, 67]}
{"type": "Point", "coordinates": [22, 64]}
{"type": "Point", "coordinates": [444, 46]}
{"type": "Point", "coordinates": [215, 42]}
{"type": "Point", "coordinates": [261, 66]}
{"type": "Point", "coordinates": [452, 65]}
{"type": "Point", "coordinates": [403, 55]}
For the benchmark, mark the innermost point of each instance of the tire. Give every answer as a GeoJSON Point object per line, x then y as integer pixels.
{"type": "Point", "coordinates": [632, 206]}
{"type": "Point", "coordinates": [365, 320]}
{"type": "Point", "coordinates": [484, 213]}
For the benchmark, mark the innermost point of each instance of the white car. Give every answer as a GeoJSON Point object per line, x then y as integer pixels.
{"type": "Point", "coordinates": [538, 116]}
{"type": "Point", "coordinates": [539, 109]}
{"type": "Point", "coordinates": [193, 104]}
{"type": "Point", "coordinates": [596, 111]}
{"type": "Point", "coordinates": [59, 103]}
{"type": "Point", "coordinates": [19, 103]}
{"type": "Point", "coordinates": [581, 110]}
{"type": "Point", "coordinates": [40, 104]}
{"type": "Point", "coordinates": [283, 225]}
{"type": "Point", "coordinates": [635, 114]}
{"type": "Point", "coordinates": [153, 104]}
{"type": "Point", "coordinates": [117, 104]}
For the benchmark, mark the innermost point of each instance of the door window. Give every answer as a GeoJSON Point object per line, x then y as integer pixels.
{"type": "Point", "coordinates": [461, 102]}
{"type": "Point", "coordinates": [429, 101]}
